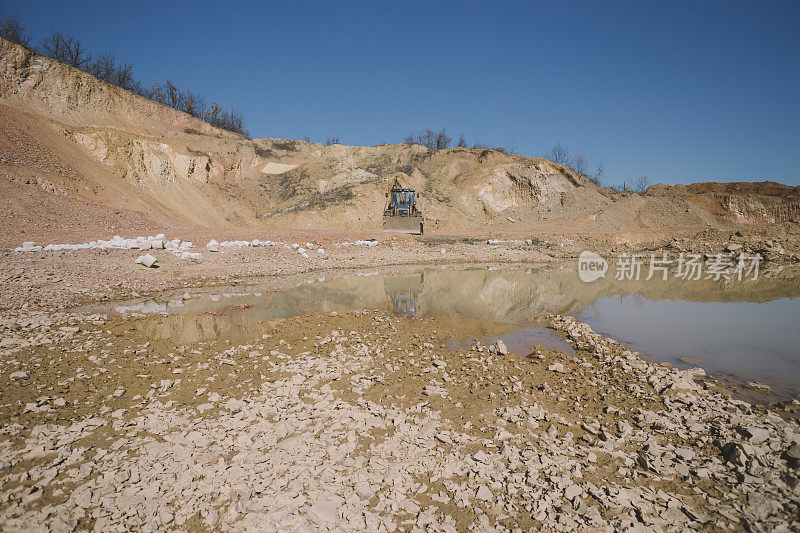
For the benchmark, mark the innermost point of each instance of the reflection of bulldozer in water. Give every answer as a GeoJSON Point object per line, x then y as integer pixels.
{"type": "Point", "coordinates": [401, 213]}
{"type": "Point", "coordinates": [402, 293]}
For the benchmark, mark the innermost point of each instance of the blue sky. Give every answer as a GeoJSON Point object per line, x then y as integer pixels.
{"type": "Point", "coordinates": [678, 91]}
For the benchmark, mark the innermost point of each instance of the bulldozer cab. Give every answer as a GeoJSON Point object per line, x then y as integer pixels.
{"type": "Point", "coordinates": [401, 213]}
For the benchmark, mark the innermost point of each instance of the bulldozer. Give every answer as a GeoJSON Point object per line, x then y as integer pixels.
{"type": "Point", "coordinates": [401, 213]}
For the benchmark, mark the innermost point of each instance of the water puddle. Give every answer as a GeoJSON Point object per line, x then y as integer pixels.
{"type": "Point", "coordinates": [745, 330]}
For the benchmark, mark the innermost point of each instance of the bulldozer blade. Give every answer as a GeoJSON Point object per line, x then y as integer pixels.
{"type": "Point", "coordinates": [403, 224]}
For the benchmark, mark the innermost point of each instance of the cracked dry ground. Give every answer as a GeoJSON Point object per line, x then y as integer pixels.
{"type": "Point", "coordinates": [367, 422]}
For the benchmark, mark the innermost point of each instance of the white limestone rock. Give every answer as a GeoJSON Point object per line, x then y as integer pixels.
{"type": "Point", "coordinates": [146, 261]}
{"type": "Point", "coordinates": [483, 493]}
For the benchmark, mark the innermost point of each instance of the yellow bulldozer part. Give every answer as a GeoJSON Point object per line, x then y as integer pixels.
{"type": "Point", "coordinates": [401, 213]}
{"type": "Point", "coordinates": [402, 224]}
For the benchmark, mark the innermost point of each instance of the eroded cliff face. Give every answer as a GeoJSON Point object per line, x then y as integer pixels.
{"type": "Point", "coordinates": [206, 175]}
{"type": "Point", "coordinates": [68, 95]}
{"type": "Point", "coordinates": [70, 135]}
{"type": "Point", "coordinates": [142, 160]}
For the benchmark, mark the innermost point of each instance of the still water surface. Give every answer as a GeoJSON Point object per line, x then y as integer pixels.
{"type": "Point", "coordinates": [748, 330]}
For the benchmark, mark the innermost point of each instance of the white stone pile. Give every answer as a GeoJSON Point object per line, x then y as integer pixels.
{"type": "Point", "coordinates": [303, 250]}
{"type": "Point", "coordinates": [215, 246]}
{"type": "Point", "coordinates": [255, 243]}
{"type": "Point", "coordinates": [141, 243]}
{"type": "Point", "coordinates": [500, 241]}
{"type": "Point", "coordinates": [157, 242]}
{"type": "Point", "coordinates": [370, 243]}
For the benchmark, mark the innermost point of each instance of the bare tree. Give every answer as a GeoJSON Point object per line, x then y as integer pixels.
{"type": "Point", "coordinates": [598, 174]}
{"type": "Point", "coordinates": [12, 29]}
{"type": "Point", "coordinates": [67, 49]}
{"type": "Point", "coordinates": [579, 164]}
{"type": "Point", "coordinates": [214, 114]}
{"type": "Point", "coordinates": [427, 139]}
{"type": "Point", "coordinates": [329, 141]}
{"type": "Point", "coordinates": [172, 95]}
{"type": "Point", "coordinates": [191, 103]}
{"type": "Point", "coordinates": [103, 67]}
{"type": "Point", "coordinates": [432, 140]}
{"type": "Point", "coordinates": [123, 76]}
{"type": "Point", "coordinates": [462, 141]}
{"type": "Point", "coordinates": [442, 140]}
{"type": "Point", "coordinates": [559, 154]}
{"type": "Point", "coordinates": [481, 146]}
{"type": "Point", "coordinates": [641, 184]}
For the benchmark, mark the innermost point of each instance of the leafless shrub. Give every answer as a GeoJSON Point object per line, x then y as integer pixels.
{"type": "Point", "coordinates": [597, 176]}
{"type": "Point", "coordinates": [641, 184]}
{"type": "Point", "coordinates": [442, 141]}
{"type": "Point", "coordinates": [105, 67]}
{"type": "Point", "coordinates": [579, 164]}
{"type": "Point", "coordinates": [330, 141]}
{"type": "Point", "coordinates": [462, 142]}
{"type": "Point", "coordinates": [559, 154]}
{"type": "Point", "coordinates": [432, 140]}
{"type": "Point", "coordinates": [12, 29]}
{"type": "Point", "coordinates": [67, 49]}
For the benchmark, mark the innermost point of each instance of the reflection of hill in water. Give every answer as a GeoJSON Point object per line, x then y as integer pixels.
{"type": "Point", "coordinates": [506, 296]}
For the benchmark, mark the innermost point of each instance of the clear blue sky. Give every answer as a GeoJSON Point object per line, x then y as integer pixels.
{"type": "Point", "coordinates": [679, 91]}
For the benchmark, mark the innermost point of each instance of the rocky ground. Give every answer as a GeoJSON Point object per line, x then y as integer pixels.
{"type": "Point", "coordinates": [361, 421]}
{"type": "Point", "coordinates": [368, 422]}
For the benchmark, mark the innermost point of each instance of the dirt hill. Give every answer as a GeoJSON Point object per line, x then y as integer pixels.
{"type": "Point", "coordinates": [78, 155]}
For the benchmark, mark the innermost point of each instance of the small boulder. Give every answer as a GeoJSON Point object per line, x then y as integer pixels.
{"type": "Point", "coordinates": [21, 374]}
{"type": "Point", "coordinates": [323, 511]}
{"type": "Point", "coordinates": [484, 493]}
{"type": "Point", "coordinates": [793, 455]}
{"type": "Point", "coordinates": [572, 492]}
{"type": "Point", "coordinates": [794, 451]}
{"type": "Point", "coordinates": [213, 246]}
{"type": "Point", "coordinates": [756, 435]}
{"type": "Point", "coordinates": [147, 261]}
{"type": "Point", "coordinates": [500, 347]}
